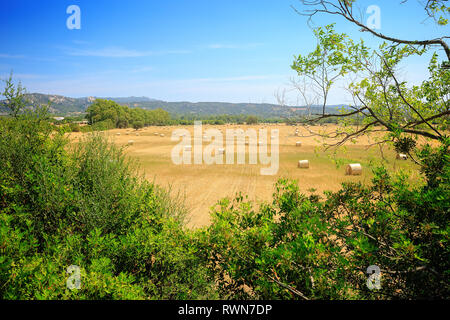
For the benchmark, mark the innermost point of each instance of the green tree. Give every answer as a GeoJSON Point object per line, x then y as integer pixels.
{"type": "Point", "coordinates": [251, 120]}
{"type": "Point", "coordinates": [14, 96]}
{"type": "Point", "coordinates": [381, 98]}
{"type": "Point", "coordinates": [138, 124]}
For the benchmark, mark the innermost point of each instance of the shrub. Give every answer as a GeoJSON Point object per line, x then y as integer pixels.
{"type": "Point", "coordinates": [251, 120]}
{"type": "Point", "coordinates": [103, 125]}
{"type": "Point", "coordinates": [138, 125]}
{"type": "Point", "coordinates": [86, 205]}
{"type": "Point", "coordinates": [74, 127]}
{"type": "Point", "coordinates": [302, 247]}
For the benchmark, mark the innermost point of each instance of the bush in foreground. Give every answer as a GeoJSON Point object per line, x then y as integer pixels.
{"type": "Point", "coordinates": [84, 205]}
{"type": "Point", "coordinates": [304, 247]}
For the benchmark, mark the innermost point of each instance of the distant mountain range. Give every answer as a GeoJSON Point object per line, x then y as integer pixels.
{"type": "Point", "coordinates": [64, 106]}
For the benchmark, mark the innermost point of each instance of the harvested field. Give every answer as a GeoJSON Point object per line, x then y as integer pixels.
{"type": "Point", "coordinates": [203, 185]}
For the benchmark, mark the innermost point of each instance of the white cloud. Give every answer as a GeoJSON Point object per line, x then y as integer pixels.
{"type": "Point", "coordinates": [22, 76]}
{"type": "Point", "coordinates": [117, 52]}
{"type": "Point", "coordinates": [11, 56]}
{"type": "Point", "coordinates": [240, 78]}
{"type": "Point", "coordinates": [81, 42]}
{"type": "Point", "coordinates": [231, 89]}
{"type": "Point", "coordinates": [233, 46]}
{"type": "Point", "coordinates": [141, 69]}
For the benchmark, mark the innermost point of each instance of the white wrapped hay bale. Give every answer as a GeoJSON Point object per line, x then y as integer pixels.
{"type": "Point", "coordinates": [402, 156]}
{"type": "Point", "coordinates": [304, 164]}
{"type": "Point", "coordinates": [298, 144]}
{"type": "Point", "coordinates": [353, 169]}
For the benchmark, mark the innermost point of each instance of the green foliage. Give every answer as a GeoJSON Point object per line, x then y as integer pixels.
{"type": "Point", "coordinates": [85, 205]}
{"type": "Point", "coordinates": [138, 125]}
{"type": "Point", "coordinates": [251, 120]}
{"type": "Point", "coordinates": [438, 10]}
{"type": "Point", "coordinates": [302, 247]}
{"type": "Point", "coordinates": [103, 125]}
{"type": "Point", "coordinates": [74, 127]}
{"type": "Point", "coordinates": [15, 97]}
{"type": "Point", "coordinates": [381, 98]}
{"type": "Point", "coordinates": [122, 117]}
{"type": "Point", "coordinates": [405, 144]}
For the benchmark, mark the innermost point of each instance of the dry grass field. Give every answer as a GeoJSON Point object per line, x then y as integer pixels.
{"type": "Point", "coordinates": [202, 186]}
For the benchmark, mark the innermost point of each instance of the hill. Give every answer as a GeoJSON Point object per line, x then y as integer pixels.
{"type": "Point", "coordinates": [61, 105]}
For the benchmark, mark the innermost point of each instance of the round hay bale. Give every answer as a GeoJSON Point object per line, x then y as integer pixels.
{"type": "Point", "coordinates": [118, 134]}
{"type": "Point", "coordinates": [137, 134]}
{"type": "Point", "coordinates": [162, 134]}
{"type": "Point", "coordinates": [402, 156]}
{"type": "Point", "coordinates": [298, 144]}
{"type": "Point", "coordinates": [353, 169]}
{"type": "Point", "coordinates": [130, 142]}
{"type": "Point", "coordinates": [156, 134]}
{"type": "Point", "coordinates": [304, 164]}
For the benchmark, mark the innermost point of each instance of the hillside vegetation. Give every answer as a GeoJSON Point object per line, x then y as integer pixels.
{"type": "Point", "coordinates": [62, 105]}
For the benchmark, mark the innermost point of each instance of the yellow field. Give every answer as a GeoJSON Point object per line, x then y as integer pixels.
{"type": "Point", "coordinates": [203, 185]}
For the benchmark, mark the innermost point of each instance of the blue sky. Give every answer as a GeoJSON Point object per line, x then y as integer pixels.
{"type": "Point", "coordinates": [190, 50]}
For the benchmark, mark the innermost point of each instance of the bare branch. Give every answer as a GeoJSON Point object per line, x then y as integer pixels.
{"type": "Point", "coordinates": [345, 9]}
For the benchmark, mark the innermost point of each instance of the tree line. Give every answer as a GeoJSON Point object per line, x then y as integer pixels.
{"type": "Point", "coordinates": [113, 115]}
{"type": "Point", "coordinates": [107, 114]}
